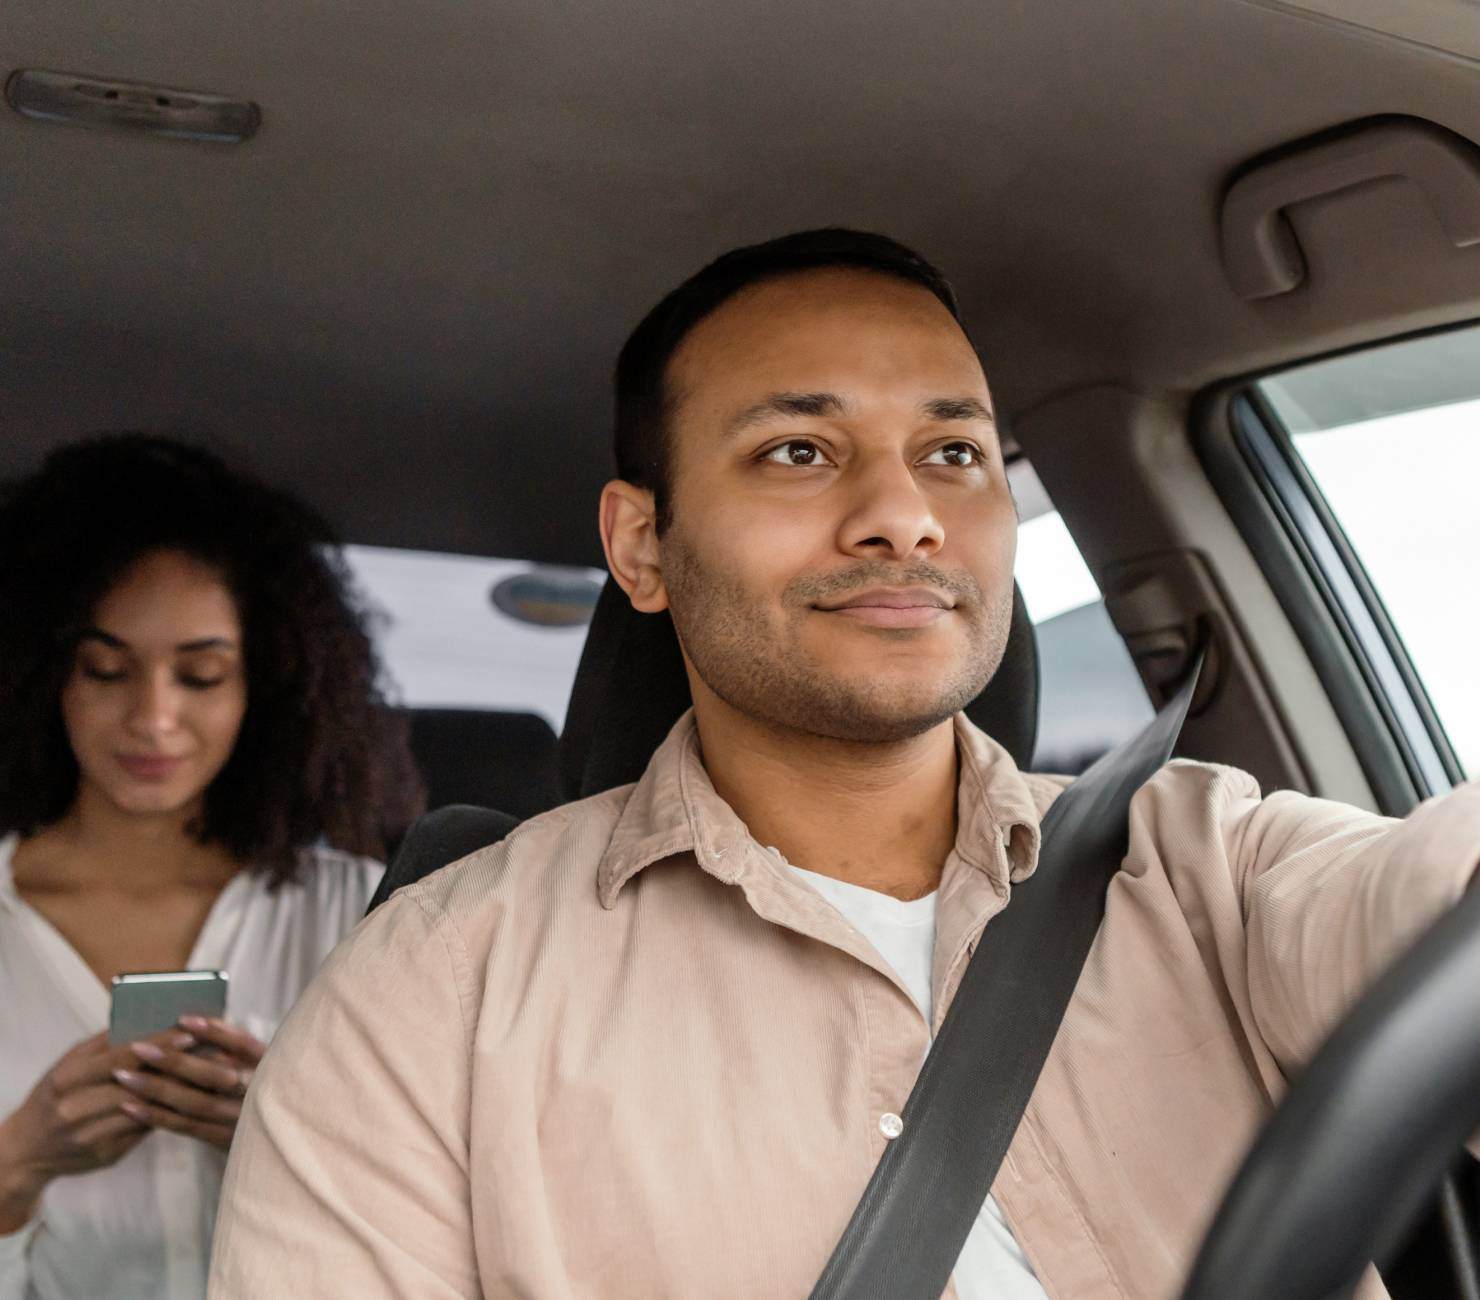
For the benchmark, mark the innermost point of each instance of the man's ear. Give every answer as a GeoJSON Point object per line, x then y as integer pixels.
{"type": "Point", "coordinates": [629, 535]}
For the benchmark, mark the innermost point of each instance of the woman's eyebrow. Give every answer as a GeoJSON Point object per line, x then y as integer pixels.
{"type": "Point", "coordinates": [107, 638]}
{"type": "Point", "coordinates": [184, 647]}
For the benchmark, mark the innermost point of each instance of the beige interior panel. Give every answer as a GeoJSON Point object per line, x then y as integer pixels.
{"type": "Point", "coordinates": [1451, 26]}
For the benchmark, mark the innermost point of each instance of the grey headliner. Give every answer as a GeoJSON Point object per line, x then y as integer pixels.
{"type": "Point", "coordinates": [405, 294]}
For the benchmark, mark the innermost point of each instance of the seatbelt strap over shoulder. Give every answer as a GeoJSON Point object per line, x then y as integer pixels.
{"type": "Point", "coordinates": [907, 1232]}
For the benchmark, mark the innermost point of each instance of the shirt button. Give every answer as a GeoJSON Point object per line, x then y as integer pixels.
{"type": "Point", "coordinates": [890, 1125]}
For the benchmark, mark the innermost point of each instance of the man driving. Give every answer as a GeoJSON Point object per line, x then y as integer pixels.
{"type": "Point", "coordinates": [655, 1042]}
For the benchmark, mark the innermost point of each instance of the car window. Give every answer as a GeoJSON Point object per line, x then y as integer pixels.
{"type": "Point", "coordinates": [446, 643]}
{"type": "Point", "coordinates": [1391, 438]}
{"type": "Point", "coordinates": [1091, 696]}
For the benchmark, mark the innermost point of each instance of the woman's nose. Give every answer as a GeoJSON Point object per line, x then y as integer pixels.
{"type": "Point", "coordinates": [156, 708]}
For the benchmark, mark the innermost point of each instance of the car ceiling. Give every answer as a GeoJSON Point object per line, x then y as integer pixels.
{"type": "Point", "coordinates": [404, 295]}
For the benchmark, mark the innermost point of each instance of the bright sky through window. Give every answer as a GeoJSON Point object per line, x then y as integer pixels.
{"type": "Point", "coordinates": [1052, 574]}
{"type": "Point", "coordinates": [1404, 488]}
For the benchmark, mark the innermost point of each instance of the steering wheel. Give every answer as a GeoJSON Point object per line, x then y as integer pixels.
{"type": "Point", "coordinates": [1365, 1134]}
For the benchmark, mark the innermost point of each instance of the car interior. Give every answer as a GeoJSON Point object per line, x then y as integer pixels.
{"type": "Point", "coordinates": [386, 255]}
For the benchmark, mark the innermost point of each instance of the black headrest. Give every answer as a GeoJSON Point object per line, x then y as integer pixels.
{"type": "Point", "coordinates": [477, 756]}
{"type": "Point", "coordinates": [631, 688]}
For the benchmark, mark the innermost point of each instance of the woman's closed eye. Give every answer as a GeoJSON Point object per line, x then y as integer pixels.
{"type": "Point", "coordinates": [202, 671]}
{"type": "Point", "coordinates": [99, 673]}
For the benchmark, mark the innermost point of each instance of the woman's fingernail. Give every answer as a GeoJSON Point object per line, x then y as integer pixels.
{"type": "Point", "coordinates": [148, 1051]}
{"type": "Point", "coordinates": [197, 1023]}
{"type": "Point", "coordinates": [126, 1077]}
{"type": "Point", "coordinates": [133, 1110]}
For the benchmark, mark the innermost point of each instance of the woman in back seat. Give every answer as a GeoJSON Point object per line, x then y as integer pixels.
{"type": "Point", "coordinates": [197, 770]}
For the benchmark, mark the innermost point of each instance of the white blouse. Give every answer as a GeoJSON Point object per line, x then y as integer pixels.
{"type": "Point", "coordinates": [141, 1229]}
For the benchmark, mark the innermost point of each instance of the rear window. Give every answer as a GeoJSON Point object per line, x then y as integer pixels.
{"type": "Point", "coordinates": [445, 644]}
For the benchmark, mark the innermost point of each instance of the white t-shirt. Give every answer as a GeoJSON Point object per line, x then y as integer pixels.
{"type": "Point", "coordinates": [141, 1229]}
{"type": "Point", "coordinates": [992, 1265]}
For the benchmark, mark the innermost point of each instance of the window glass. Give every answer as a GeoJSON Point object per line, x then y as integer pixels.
{"type": "Point", "coordinates": [446, 644]}
{"type": "Point", "coordinates": [1091, 696]}
{"type": "Point", "coordinates": [1392, 439]}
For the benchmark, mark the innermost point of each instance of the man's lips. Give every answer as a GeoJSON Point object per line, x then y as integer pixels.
{"type": "Point", "coordinates": [892, 606]}
{"type": "Point", "coordinates": [149, 767]}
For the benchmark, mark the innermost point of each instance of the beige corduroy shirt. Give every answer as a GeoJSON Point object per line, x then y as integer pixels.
{"type": "Point", "coordinates": [626, 1053]}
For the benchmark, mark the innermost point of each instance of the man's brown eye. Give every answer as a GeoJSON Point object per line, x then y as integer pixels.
{"type": "Point", "coordinates": [962, 455]}
{"type": "Point", "coordinates": [794, 453]}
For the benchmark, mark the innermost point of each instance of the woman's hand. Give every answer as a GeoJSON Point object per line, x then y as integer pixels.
{"type": "Point", "coordinates": [199, 1096]}
{"type": "Point", "coordinates": [71, 1122]}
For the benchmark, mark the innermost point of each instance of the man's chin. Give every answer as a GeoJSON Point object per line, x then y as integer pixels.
{"type": "Point", "coordinates": [879, 730]}
{"type": "Point", "coordinates": [878, 714]}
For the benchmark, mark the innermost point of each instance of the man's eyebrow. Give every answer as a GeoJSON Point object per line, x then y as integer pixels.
{"type": "Point", "coordinates": [958, 408]}
{"type": "Point", "coordinates": [813, 405]}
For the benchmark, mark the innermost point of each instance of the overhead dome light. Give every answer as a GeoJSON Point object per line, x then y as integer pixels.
{"type": "Point", "coordinates": [131, 106]}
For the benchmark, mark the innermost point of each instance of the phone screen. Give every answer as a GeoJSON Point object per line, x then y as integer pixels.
{"type": "Point", "coordinates": [151, 1002]}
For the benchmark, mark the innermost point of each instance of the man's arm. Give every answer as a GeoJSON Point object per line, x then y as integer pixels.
{"type": "Point", "coordinates": [1331, 896]}
{"type": "Point", "coordinates": [349, 1170]}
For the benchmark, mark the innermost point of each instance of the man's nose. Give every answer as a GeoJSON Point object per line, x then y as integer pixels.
{"type": "Point", "coordinates": [891, 517]}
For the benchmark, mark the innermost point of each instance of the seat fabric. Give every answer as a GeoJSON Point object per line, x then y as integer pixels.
{"type": "Point", "coordinates": [486, 757]}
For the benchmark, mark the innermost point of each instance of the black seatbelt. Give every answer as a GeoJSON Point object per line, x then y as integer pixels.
{"type": "Point", "coordinates": [907, 1232]}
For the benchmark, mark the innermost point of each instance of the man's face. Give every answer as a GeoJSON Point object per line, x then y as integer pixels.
{"type": "Point", "coordinates": [840, 556]}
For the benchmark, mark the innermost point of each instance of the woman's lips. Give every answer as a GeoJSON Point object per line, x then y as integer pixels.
{"type": "Point", "coordinates": [149, 767]}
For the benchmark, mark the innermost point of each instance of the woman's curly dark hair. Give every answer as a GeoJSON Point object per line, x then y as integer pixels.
{"type": "Point", "coordinates": [320, 754]}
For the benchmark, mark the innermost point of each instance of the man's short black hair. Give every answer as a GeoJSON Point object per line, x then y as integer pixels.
{"type": "Point", "coordinates": [642, 405]}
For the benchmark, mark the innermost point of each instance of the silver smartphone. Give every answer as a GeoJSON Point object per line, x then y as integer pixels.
{"type": "Point", "coordinates": [153, 1001]}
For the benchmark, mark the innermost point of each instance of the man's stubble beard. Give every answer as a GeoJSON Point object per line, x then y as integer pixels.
{"type": "Point", "coordinates": [767, 675]}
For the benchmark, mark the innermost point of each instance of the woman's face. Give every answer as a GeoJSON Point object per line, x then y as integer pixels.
{"type": "Point", "coordinates": [158, 687]}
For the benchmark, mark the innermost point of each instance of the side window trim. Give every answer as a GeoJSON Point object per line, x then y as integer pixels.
{"type": "Point", "coordinates": [1373, 685]}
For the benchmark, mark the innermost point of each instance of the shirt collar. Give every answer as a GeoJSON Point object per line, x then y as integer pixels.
{"type": "Point", "coordinates": [674, 809]}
